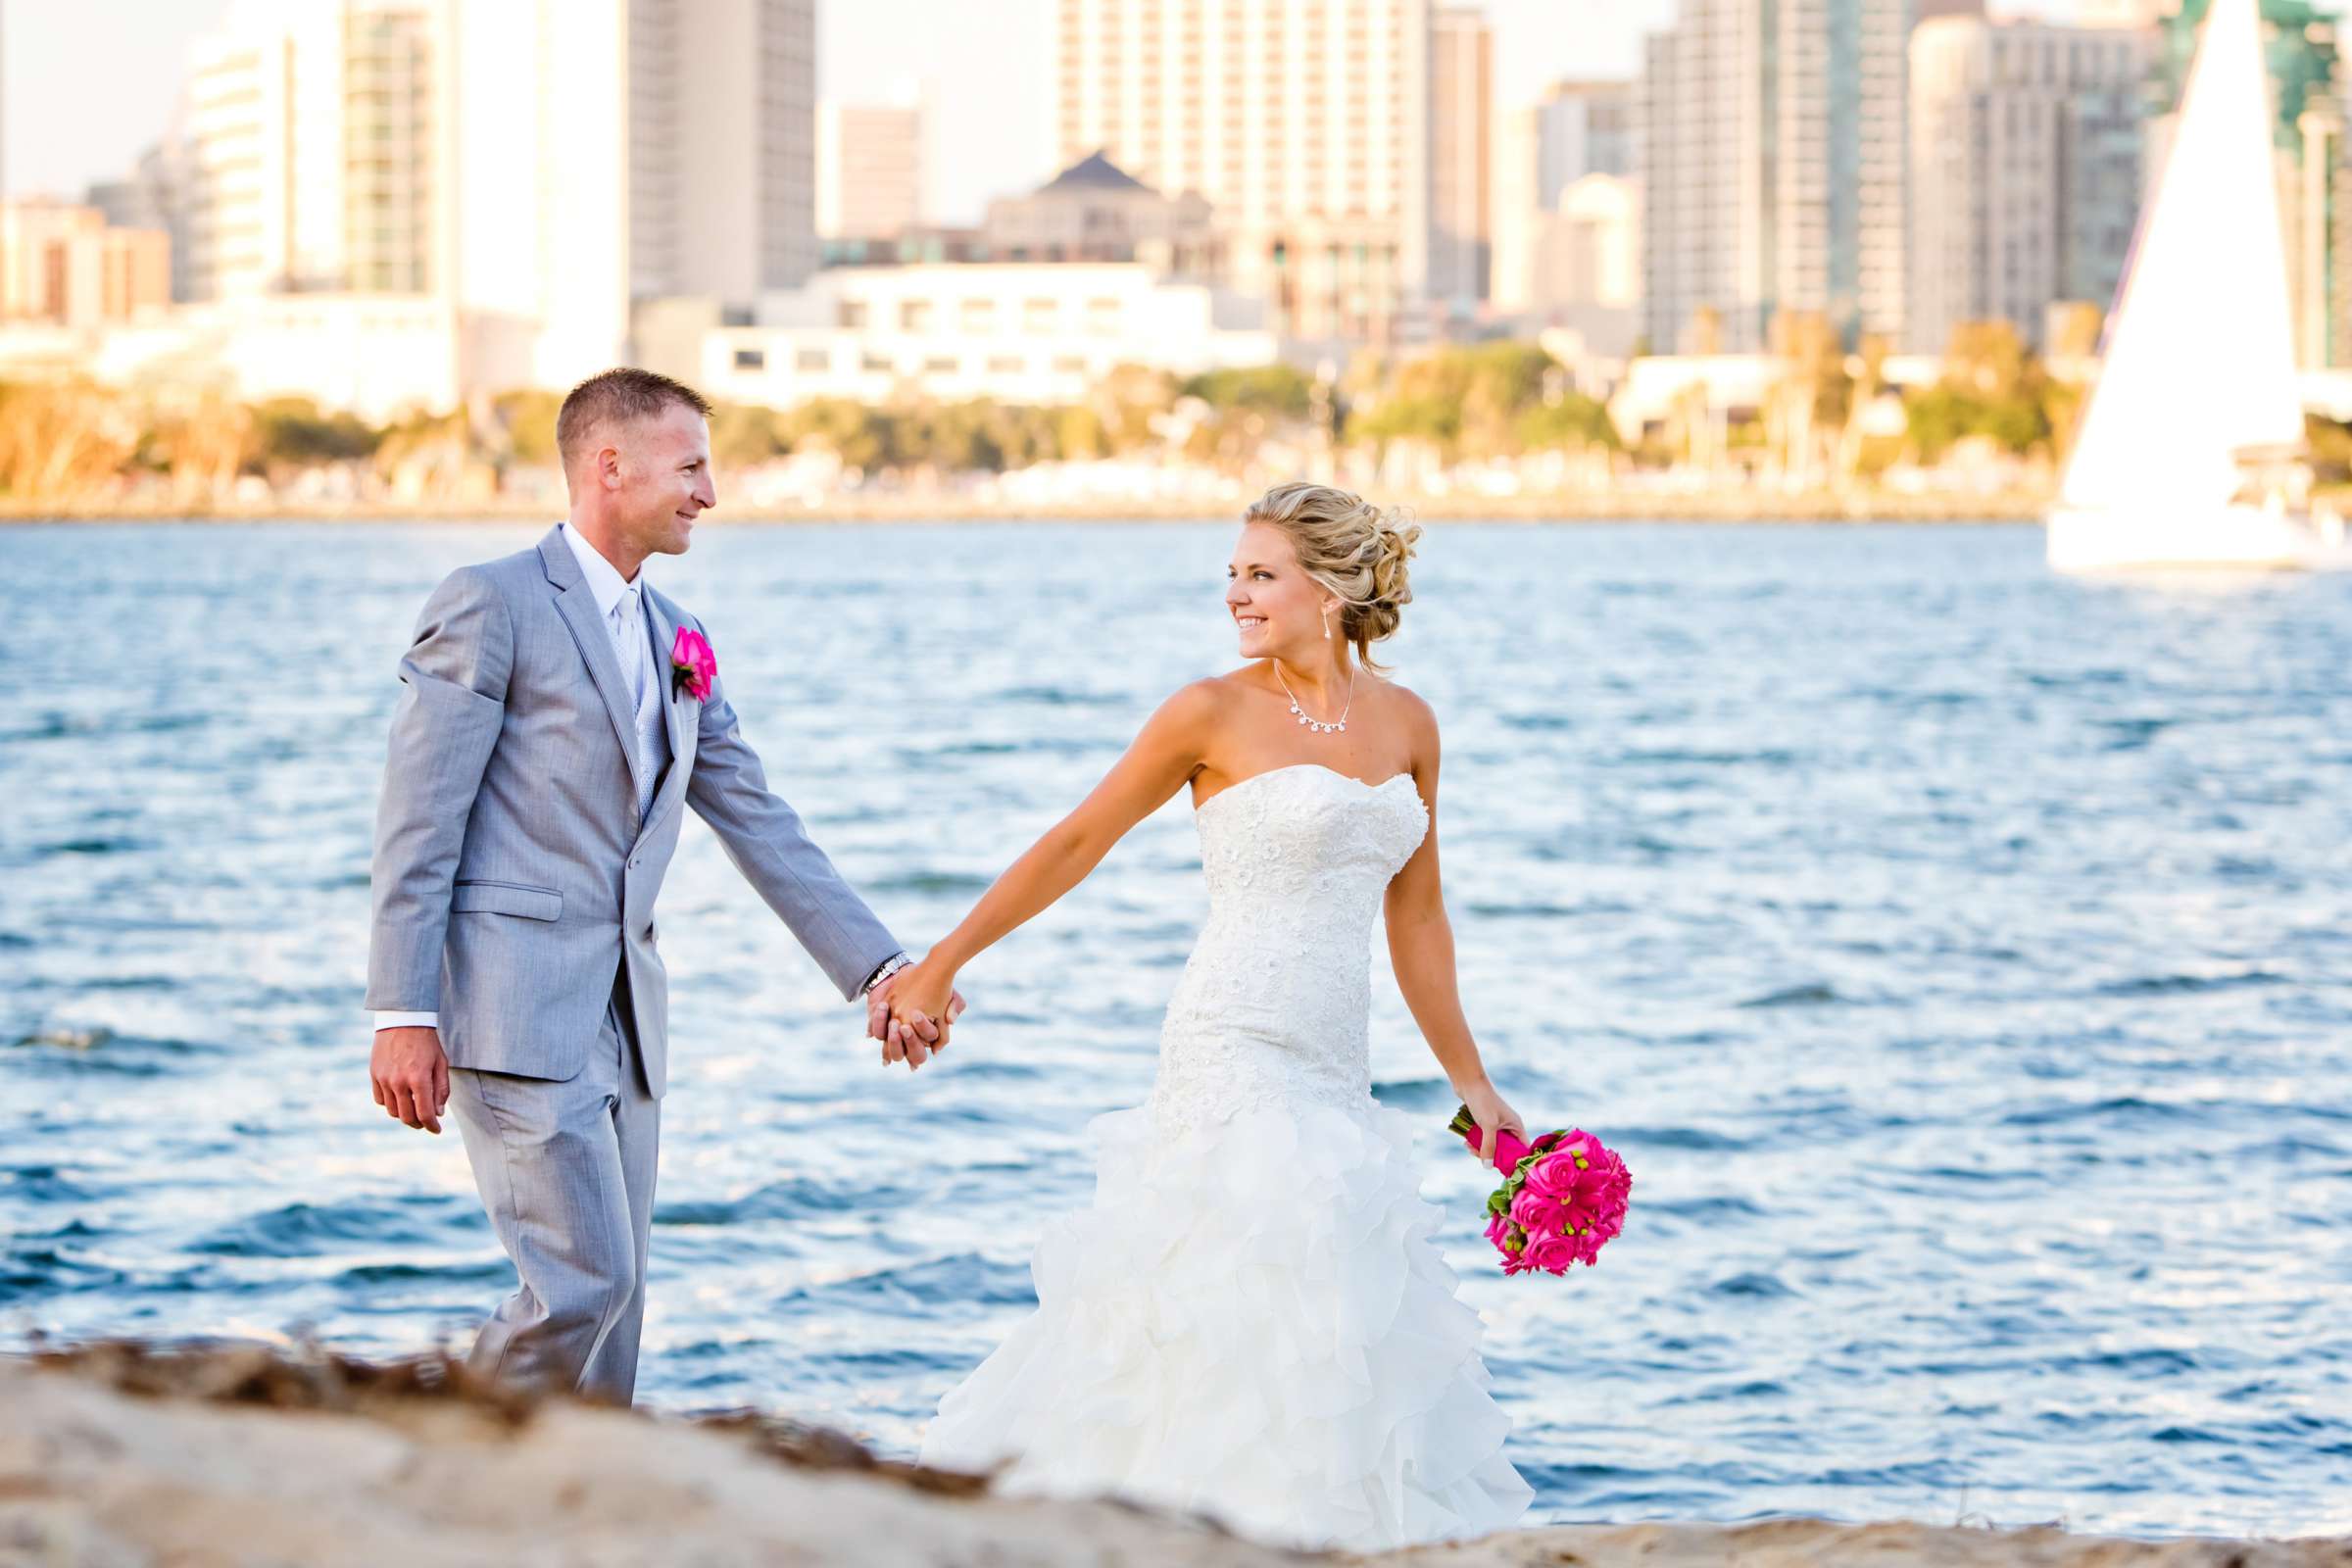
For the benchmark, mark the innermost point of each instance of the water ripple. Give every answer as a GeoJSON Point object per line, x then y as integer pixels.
{"type": "Point", "coordinates": [1958, 952]}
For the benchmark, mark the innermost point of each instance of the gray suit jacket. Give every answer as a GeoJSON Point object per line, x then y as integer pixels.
{"type": "Point", "coordinates": [513, 879]}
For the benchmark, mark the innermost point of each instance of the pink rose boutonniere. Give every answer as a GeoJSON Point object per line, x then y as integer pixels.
{"type": "Point", "coordinates": [692, 665]}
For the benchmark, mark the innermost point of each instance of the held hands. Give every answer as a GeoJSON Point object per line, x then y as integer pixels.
{"type": "Point", "coordinates": [411, 1076]}
{"type": "Point", "coordinates": [911, 1013]}
{"type": "Point", "coordinates": [1491, 1114]}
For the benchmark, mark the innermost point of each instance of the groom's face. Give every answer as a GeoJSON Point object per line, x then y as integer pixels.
{"type": "Point", "coordinates": [666, 481]}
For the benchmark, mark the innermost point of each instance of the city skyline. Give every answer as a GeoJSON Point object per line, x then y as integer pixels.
{"type": "Point", "coordinates": [867, 50]}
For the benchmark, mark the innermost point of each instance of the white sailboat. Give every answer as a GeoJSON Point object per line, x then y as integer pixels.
{"type": "Point", "coordinates": [2188, 454]}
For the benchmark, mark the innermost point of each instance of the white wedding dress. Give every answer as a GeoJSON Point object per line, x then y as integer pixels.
{"type": "Point", "coordinates": [1251, 1322]}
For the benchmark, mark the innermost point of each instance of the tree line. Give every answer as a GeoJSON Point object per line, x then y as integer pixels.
{"type": "Point", "coordinates": [1471, 403]}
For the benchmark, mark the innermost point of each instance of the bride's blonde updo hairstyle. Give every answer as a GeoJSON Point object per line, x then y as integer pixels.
{"type": "Point", "coordinates": [1350, 546]}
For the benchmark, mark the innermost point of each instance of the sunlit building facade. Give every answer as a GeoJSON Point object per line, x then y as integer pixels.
{"type": "Point", "coordinates": [1305, 124]}
{"type": "Point", "coordinates": [2026, 181]}
{"type": "Point", "coordinates": [1771, 141]}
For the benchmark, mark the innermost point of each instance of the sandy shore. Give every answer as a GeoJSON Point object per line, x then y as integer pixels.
{"type": "Point", "coordinates": [115, 1457]}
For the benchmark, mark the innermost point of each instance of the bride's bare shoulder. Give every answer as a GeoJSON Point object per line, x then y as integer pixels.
{"type": "Point", "coordinates": [1222, 691]}
{"type": "Point", "coordinates": [1408, 705]}
{"type": "Point", "coordinates": [1409, 714]}
{"type": "Point", "coordinates": [1198, 704]}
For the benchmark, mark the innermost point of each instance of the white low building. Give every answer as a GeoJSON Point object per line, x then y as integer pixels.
{"type": "Point", "coordinates": [378, 356]}
{"type": "Point", "coordinates": [1015, 332]}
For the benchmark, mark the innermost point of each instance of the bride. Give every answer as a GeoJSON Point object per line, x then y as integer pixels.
{"type": "Point", "coordinates": [1251, 1321]}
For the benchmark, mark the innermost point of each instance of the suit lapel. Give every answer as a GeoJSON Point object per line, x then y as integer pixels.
{"type": "Point", "coordinates": [680, 710]}
{"type": "Point", "coordinates": [576, 603]}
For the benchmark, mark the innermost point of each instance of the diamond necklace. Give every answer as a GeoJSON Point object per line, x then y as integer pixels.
{"type": "Point", "coordinates": [1335, 726]}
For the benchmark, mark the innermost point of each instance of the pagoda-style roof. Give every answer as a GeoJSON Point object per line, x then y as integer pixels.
{"type": "Point", "coordinates": [1094, 172]}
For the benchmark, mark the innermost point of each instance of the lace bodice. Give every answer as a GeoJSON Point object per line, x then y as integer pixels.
{"type": "Point", "coordinates": [1274, 1001]}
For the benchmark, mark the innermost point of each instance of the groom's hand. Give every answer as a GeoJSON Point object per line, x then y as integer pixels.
{"type": "Point", "coordinates": [913, 1042]}
{"type": "Point", "coordinates": [411, 1076]}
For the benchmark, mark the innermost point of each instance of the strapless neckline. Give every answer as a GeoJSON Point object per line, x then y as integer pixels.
{"type": "Point", "coordinates": [1293, 767]}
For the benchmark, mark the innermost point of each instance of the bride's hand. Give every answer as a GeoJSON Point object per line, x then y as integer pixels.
{"type": "Point", "coordinates": [1493, 1115]}
{"type": "Point", "coordinates": [923, 997]}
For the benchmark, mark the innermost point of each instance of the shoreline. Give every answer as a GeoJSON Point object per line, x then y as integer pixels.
{"type": "Point", "coordinates": [1718, 506]}
{"type": "Point", "coordinates": [230, 1455]}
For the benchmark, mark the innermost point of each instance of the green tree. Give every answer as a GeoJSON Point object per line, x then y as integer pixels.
{"type": "Point", "coordinates": [745, 435]}
{"type": "Point", "coordinates": [1078, 433]}
{"type": "Point", "coordinates": [67, 442]}
{"type": "Point", "coordinates": [1128, 401]}
{"type": "Point", "coordinates": [1992, 386]}
{"type": "Point", "coordinates": [291, 433]}
{"type": "Point", "coordinates": [1574, 423]}
{"type": "Point", "coordinates": [524, 426]}
{"type": "Point", "coordinates": [1466, 401]}
{"type": "Point", "coordinates": [861, 437]}
{"type": "Point", "coordinates": [1813, 394]}
{"type": "Point", "coordinates": [1277, 390]}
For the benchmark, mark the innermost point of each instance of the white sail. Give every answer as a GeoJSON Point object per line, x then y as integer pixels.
{"type": "Point", "coordinates": [2200, 358]}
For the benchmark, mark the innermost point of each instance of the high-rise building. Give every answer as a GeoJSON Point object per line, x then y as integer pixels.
{"type": "Point", "coordinates": [1582, 127]}
{"type": "Point", "coordinates": [1770, 141]}
{"type": "Point", "coordinates": [2024, 171]}
{"type": "Point", "coordinates": [609, 154]}
{"type": "Point", "coordinates": [537, 165]}
{"type": "Point", "coordinates": [390, 168]}
{"type": "Point", "coordinates": [310, 133]}
{"type": "Point", "coordinates": [1573, 260]}
{"type": "Point", "coordinates": [1567, 212]}
{"type": "Point", "coordinates": [240, 137]}
{"type": "Point", "coordinates": [721, 135]}
{"type": "Point", "coordinates": [1462, 82]}
{"type": "Point", "coordinates": [870, 169]}
{"type": "Point", "coordinates": [1305, 124]}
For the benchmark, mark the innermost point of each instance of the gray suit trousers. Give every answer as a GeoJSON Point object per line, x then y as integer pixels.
{"type": "Point", "coordinates": [566, 1168]}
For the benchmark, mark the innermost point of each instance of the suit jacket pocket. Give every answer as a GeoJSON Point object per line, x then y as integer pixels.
{"type": "Point", "coordinates": [507, 898]}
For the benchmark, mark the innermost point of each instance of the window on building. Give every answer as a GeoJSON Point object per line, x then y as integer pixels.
{"type": "Point", "coordinates": [852, 316]}
{"type": "Point", "coordinates": [812, 361]}
{"type": "Point", "coordinates": [1101, 316]}
{"type": "Point", "coordinates": [940, 365]}
{"type": "Point", "coordinates": [1069, 364]}
{"type": "Point", "coordinates": [1004, 364]}
{"type": "Point", "coordinates": [874, 364]}
{"type": "Point", "coordinates": [1038, 315]}
{"type": "Point", "coordinates": [914, 315]}
{"type": "Point", "coordinates": [979, 316]}
{"type": "Point", "coordinates": [750, 359]}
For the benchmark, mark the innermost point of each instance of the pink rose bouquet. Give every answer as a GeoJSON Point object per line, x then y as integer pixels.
{"type": "Point", "coordinates": [1563, 1195]}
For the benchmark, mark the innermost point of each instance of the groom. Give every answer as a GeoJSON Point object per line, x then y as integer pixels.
{"type": "Point", "coordinates": [544, 748]}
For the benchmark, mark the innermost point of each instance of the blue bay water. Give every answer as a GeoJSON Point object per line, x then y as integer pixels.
{"type": "Point", "coordinates": [1958, 954]}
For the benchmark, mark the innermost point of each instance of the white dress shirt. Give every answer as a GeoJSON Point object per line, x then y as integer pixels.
{"type": "Point", "coordinates": [620, 602]}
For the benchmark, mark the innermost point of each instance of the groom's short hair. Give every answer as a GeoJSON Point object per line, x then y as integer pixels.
{"type": "Point", "coordinates": [621, 396]}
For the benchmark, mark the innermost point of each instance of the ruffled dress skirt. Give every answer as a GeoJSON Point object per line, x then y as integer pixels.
{"type": "Point", "coordinates": [1251, 1323]}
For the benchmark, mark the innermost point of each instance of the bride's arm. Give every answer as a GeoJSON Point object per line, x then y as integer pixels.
{"type": "Point", "coordinates": [1421, 952]}
{"type": "Point", "coordinates": [1170, 748]}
